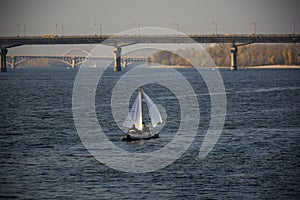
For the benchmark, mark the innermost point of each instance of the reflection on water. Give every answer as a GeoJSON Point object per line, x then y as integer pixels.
{"type": "Point", "coordinates": [256, 157]}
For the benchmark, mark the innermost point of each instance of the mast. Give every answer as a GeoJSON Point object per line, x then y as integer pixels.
{"type": "Point", "coordinates": [140, 107]}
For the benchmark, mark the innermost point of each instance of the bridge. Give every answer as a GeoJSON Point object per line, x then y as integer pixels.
{"type": "Point", "coordinates": [70, 60]}
{"type": "Point", "coordinates": [120, 41]}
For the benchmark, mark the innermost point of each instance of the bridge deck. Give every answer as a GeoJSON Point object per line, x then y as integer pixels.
{"type": "Point", "coordinates": [120, 40]}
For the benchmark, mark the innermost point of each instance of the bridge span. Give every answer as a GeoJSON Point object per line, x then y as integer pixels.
{"type": "Point", "coordinates": [70, 60]}
{"type": "Point", "coordinates": [120, 41]}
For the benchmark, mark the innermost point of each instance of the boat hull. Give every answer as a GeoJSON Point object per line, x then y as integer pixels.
{"type": "Point", "coordinates": [139, 135]}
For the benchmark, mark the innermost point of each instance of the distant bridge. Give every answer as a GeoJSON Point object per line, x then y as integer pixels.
{"type": "Point", "coordinates": [70, 60]}
{"type": "Point", "coordinates": [125, 40]}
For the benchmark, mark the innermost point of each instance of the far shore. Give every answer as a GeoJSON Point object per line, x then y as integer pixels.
{"type": "Point", "coordinates": [249, 67]}
{"type": "Point", "coordinates": [276, 67]}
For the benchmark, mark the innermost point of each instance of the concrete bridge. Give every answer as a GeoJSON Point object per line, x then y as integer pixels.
{"type": "Point", "coordinates": [120, 41]}
{"type": "Point", "coordinates": [71, 60]}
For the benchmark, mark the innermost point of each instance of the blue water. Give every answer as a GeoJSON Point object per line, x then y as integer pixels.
{"type": "Point", "coordinates": [257, 155]}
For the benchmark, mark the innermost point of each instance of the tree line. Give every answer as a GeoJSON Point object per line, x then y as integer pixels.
{"type": "Point", "coordinates": [42, 62]}
{"type": "Point", "coordinates": [248, 55]}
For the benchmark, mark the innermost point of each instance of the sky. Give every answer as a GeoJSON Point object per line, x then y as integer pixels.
{"type": "Point", "coordinates": [89, 17]}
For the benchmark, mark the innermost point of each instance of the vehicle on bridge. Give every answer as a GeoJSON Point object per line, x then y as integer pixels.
{"type": "Point", "coordinates": [48, 36]}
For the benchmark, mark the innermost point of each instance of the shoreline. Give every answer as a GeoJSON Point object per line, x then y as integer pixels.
{"type": "Point", "coordinates": [247, 67]}
{"type": "Point", "coordinates": [275, 67]}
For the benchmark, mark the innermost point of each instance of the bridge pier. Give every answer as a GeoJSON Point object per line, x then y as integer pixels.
{"type": "Point", "coordinates": [3, 60]}
{"type": "Point", "coordinates": [233, 51]}
{"type": "Point", "coordinates": [148, 60]}
{"type": "Point", "coordinates": [13, 60]}
{"type": "Point", "coordinates": [124, 62]}
{"type": "Point", "coordinates": [72, 62]}
{"type": "Point", "coordinates": [117, 59]}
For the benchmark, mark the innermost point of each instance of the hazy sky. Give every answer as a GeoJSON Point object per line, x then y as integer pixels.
{"type": "Point", "coordinates": [192, 16]}
{"type": "Point", "coordinates": [80, 16]}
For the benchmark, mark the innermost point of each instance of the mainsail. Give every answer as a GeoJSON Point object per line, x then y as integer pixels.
{"type": "Point", "coordinates": [153, 111]}
{"type": "Point", "coordinates": [135, 114]}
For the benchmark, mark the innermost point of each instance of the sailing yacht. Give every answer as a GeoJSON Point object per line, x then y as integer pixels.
{"type": "Point", "coordinates": [134, 120]}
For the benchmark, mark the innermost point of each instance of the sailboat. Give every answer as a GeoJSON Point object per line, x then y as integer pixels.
{"type": "Point", "coordinates": [134, 120]}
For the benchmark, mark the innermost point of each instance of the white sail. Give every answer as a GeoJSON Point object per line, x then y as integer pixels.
{"type": "Point", "coordinates": [154, 113]}
{"type": "Point", "coordinates": [135, 114]}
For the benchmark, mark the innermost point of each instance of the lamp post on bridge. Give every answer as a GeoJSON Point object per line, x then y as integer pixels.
{"type": "Point", "coordinates": [216, 27]}
{"type": "Point", "coordinates": [57, 30]}
{"type": "Point", "coordinates": [293, 28]}
{"type": "Point", "coordinates": [100, 27]}
{"type": "Point", "coordinates": [136, 26]}
{"type": "Point", "coordinates": [24, 30]}
{"type": "Point", "coordinates": [175, 26]}
{"type": "Point", "coordinates": [18, 30]}
{"type": "Point", "coordinates": [95, 24]}
{"type": "Point", "coordinates": [96, 29]}
{"type": "Point", "coordinates": [254, 27]}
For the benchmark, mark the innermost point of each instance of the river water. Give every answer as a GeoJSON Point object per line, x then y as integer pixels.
{"type": "Point", "coordinates": [256, 157]}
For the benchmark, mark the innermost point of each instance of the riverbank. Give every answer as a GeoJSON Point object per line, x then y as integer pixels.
{"type": "Point", "coordinates": [275, 67]}
{"type": "Point", "coordinates": [249, 67]}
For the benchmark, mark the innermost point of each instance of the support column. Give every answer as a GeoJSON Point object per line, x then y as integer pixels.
{"type": "Point", "coordinates": [13, 60]}
{"type": "Point", "coordinates": [3, 60]}
{"type": "Point", "coordinates": [148, 60]}
{"type": "Point", "coordinates": [117, 59]}
{"type": "Point", "coordinates": [73, 62]}
{"type": "Point", "coordinates": [234, 51]}
{"type": "Point", "coordinates": [125, 63]}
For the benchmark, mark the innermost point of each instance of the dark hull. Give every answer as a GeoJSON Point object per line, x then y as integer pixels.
{"type": "Point", "coordinates": [131, 137]}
